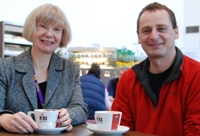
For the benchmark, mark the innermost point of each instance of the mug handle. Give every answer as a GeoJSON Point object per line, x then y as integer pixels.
{"type": "Point", "coordinates": [31, 114]}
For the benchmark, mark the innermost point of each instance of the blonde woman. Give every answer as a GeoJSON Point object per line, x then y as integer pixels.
{"type": "Point", "coordinates": [38, 78]}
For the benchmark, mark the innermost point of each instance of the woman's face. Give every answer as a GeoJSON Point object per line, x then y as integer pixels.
{"type": "Point", "coordinates": [47, 37]}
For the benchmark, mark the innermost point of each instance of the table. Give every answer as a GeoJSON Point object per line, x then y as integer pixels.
{"type": "Point", "coordinates": [80, 130]}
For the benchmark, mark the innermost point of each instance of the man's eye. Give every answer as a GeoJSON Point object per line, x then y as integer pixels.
{"type": "Point", "coordinates": [162, 28]}
{"type": "Point", "coordinates": [145, 31]}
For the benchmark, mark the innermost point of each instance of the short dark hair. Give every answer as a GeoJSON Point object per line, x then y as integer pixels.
{"type": "Point", "coordinates": [157, 6]}
{"type": "Point", "coordinates": [95, 69]}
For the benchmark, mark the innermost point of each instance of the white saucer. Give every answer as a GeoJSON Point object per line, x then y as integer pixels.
{"type": "Point", "coordinates": [97, 131]}
{"type": "Point", "coordinates": [50, 130]}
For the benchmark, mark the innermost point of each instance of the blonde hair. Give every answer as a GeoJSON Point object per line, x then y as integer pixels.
{"type": "Point", "coordinates": [47, 13]}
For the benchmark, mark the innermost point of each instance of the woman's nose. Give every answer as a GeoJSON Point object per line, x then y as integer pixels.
{"type": "Point", "coordinates": [48, 33]}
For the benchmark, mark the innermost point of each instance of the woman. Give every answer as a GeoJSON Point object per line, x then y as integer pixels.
{"type": "Point", "coordinates": [94, 92]}
{"type": "Point", "coordinates": [38, 78]}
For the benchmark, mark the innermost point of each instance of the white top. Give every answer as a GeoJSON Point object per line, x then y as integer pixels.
{"type": "Point", "coordinates": [107, 100]}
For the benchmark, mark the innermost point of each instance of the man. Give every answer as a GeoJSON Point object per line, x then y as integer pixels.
{"type": "Point", "coordinates": [112, 84]}
{"type": "Point", "coordinates": [161, 95]}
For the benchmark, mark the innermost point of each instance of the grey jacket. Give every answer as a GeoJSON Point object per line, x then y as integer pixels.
{"type": "Point", "coordinates": [18, 91]}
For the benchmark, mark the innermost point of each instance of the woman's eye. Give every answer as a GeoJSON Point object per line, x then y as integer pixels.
{"type": "Point", "coordinates": [43, 26]}
{"type": "Point", "coordinates": [58, 30]}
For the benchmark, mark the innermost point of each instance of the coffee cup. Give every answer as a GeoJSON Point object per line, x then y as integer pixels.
{"type": "Point", "coordinates": [45, 118]}
{"type": "Point", "coordinates": [108, 120]}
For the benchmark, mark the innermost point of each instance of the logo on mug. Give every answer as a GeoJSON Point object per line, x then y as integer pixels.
{"type": "Point", "coordinates": [115, 121]}
{"type": "Point", "coordinates": [99, 119]}
{"type": "Point", "coordinates": [116, 117]}
{"type": "Point", "coordinates": [43, 118]}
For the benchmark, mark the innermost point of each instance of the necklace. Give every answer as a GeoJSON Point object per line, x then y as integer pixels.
{"type": "Point", "coordinates": [39, 92]}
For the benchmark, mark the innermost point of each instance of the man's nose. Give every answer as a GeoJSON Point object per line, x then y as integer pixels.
{"type": "Point", "coordinates": [154, 34]}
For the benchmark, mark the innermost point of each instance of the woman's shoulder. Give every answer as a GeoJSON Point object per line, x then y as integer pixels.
{"type": "Point", "coordinates": [8, 61]}
{"type": "Point", "coordinates": [69, 63]}
{"type": "Point", "coordinates": [60, 63]}
{"type": "Point", "coordinates": [7, 65]}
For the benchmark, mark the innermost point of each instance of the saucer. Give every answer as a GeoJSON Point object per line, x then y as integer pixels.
{"type": "Point", "coordinates": [50, 130]}
{"type": "Point", "coordinates": [97, 131]}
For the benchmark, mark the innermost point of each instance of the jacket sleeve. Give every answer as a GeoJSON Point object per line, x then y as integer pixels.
{"type": "Point", "coordinates": [192, 117]}
{"type": "Point", "coordinates": [77, 108]}
{"type": "Point", "coordinates": [3, 89]}
{"type": "Point", "coordinates": [121, 103]}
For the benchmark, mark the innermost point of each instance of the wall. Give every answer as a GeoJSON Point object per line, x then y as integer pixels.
{"type": "Point", "coordinates": [191, 46]}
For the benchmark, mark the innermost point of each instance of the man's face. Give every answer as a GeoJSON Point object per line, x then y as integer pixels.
{"type": "Point", "coordinates": [156, 34]}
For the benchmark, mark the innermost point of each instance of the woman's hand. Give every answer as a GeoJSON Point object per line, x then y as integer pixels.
{"type": "Point", "coordinates": [18, 123]}
{"type": "Point", "coordinates": [64, 119]}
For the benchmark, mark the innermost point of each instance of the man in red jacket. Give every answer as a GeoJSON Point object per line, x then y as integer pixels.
{"type": "Point", "coordinates": [160, 95]}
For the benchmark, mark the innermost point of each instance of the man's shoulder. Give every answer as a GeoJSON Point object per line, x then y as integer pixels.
{"type": "Point", "coordinates": [191, 63]}
{"type": "Point", "coordinates": [128, 74]}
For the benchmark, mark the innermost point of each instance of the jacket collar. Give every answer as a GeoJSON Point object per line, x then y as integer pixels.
{"type": "Point", "coordinates": [141, 71]}
{"type": "Point", "coordinates": [24, 65]}
{"type": "Point", "coordinates": [141, 68]}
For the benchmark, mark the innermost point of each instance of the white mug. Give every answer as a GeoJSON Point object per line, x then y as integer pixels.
{"type": "Point", "coordinates": [108, 120]}
{"type": "Point", "coordinates": [45, 118]}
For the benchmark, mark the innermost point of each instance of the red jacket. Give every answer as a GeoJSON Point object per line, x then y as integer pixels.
{"type": "Point", "coordinates": [175, 113]}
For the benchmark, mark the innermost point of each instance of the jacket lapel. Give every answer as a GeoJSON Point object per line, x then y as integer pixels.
{"type": "Point", "coordinates": [24, 65]}
{"type": "Point", "coordinates": [55, 66]}
{"type": "Point", "coordinates": [30, 90]}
